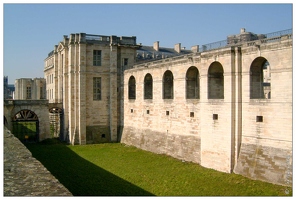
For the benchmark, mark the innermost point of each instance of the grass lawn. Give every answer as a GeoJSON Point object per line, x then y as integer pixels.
{"type": "Point", "coordinates": [115, 169]}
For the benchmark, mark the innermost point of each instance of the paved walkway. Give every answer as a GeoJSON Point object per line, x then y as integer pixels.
{"type": "Point", "coordinates": [24, 175]}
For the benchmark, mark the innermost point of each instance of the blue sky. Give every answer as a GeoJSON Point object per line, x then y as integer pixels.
{"type": "Point", "coordinates": [30, 31]}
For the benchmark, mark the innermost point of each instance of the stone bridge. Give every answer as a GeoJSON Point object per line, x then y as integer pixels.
{"type": "Point", "coordinates": [32, 119]}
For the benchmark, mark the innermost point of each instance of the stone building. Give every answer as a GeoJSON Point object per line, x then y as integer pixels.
{"type": "Point", "coordinates": [27, 88]}
{"type": "Point", "coordinates": [8, 89]}
{"type": "Point", "coordinates": [85, 74]}
{"type": "Point", "coordinates": [225, 105]}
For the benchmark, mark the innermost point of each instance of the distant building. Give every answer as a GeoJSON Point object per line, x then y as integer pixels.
{"type": "Point", "coordinates": [8, 89]}
{"type": "Point", "coordinates": [31, 89]}
{"type": "Point", "coordinates": [5, 87]}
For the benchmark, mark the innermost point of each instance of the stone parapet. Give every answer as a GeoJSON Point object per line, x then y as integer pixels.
{"type": "Point", "coordinates": [24, 175]}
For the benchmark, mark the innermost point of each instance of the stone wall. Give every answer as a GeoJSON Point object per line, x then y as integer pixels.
{"type": "Point", "coordinates": [265, 163]}
{"type": "Point", "coordinates": [229, 132]}
{"type": "Point", "coordinates": [24, 175]}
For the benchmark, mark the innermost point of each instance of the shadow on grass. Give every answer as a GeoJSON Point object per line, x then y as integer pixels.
{"type": "Point", "coordinates": [79, 176]}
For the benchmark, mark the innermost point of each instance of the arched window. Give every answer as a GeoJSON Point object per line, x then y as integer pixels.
{"type": "Point", "coordinates": [192, 83]}
{"type": "Point", "coordinates": [215, 81]}
{"type": "Point", "coordinates": [25, 115]}
{"type": "Point", "coordinates": [168, 85]}
{"type": "Point", "coordinates": [132, 88]}
{"type": "Point", "coordinates": [260, 79]}
{"type": "Point", "coordinates": [148, 87]}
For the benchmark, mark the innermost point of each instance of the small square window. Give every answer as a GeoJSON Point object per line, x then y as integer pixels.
{"type": "Point", "coordinates": [259, 118]}
{"type": "Point", "coordinates": [215, 116]}
{"type": "Point", "coordinates": [147, 111]}
{"type": "Point", "coordinates": [167, 112]}
{"type": "Point", "coordinates": [191, 114]}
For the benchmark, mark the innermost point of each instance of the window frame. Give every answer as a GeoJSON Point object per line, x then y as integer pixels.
{"type": "Point", "coordinates": [97, 57]}
{"type": "Point", "coordinates": [29, 92]}
{"type": "Point", "coordinates": [97, 88]}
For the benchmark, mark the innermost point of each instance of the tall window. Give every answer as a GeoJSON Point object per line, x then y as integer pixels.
{"type": "Point", "coordinates": [192, 83]}
{"type": "Point", "coordinates": [29, 93]}
{"type": "Point", "coordinates": [148, 87]}
{"type": "Point", "coordinates": [125, 61]}
{"type": "Point", "coordinates": [260, 79]}
{"type": "Point", "coordinates": [97, 88]}
{"type": "Point", "coordinates": [168, 85]}
{"type": "Point", "coordinates": [215, 81]}
{"type": "Point", "coordinates": [97, 57]}
{"type": "Point", "coordinates": [132, 88]}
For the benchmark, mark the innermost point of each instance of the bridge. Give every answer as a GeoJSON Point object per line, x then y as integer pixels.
{"type": "Point", "coordinates": [33, 120]}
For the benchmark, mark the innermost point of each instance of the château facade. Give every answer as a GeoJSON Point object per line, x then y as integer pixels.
{"type": "Point", "coordinates": [226, 105]}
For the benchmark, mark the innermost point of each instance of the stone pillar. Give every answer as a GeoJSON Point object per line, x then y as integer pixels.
{"type": "Point", "coordinates": [81, 74]}
{"type": "Point", "coordinates": [113, 120]}
{"type": "Point", "coordinates": [238, 104]}
{"type": "Point", "coordinates": [36, 91]}
{"type": "Point", "coordinates": [65, 96]}
{"type": "Point", "coordinates": [60, 75]}
{"type": "Point", "coordinates": [71, 92]}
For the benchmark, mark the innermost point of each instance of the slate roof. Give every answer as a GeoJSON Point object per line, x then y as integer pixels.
{"type": "Point", "coordinates": [145, 53]}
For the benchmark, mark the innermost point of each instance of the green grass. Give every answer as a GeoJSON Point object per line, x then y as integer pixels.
{"type": "Point", "coordinates": [115, 169]}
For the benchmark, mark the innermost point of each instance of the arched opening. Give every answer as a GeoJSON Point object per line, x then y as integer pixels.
{"type": "Point", "coordinates": [260, 79]}
{"type": "Point", "coordinates": [168, 85]}
{"type": "Point", "coordinates": [192, 83]}
{"type": "Point", "coordinates": [132, 88]}
{"type": "Point", "coordinates": [215, 81]}
{"type": "Point", "coordinates": [56, 122]}
{"type": "Point", "coordinates": [25, 125]}
{"type": "Point", "coordinates": [148, 87]}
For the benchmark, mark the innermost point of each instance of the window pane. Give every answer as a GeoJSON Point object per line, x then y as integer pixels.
{"type": "Point", "coordinates": [97, 88]}
{"type": "Point", "coordinates": [97, 57]}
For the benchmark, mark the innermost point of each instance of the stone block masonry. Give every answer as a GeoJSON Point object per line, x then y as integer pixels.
{"type": "Point", "coordinates": [212, 108]}
{"type": "Point", "coordinates": [24, 175]}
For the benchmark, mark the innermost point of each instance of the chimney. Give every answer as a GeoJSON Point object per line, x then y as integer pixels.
{"type": "Point", "coordinates": [156, 46]}
{"type": "Point", "coordinates": [195, 49]}
{"type": "Point", "coordinates": [178, 47]}
{"type": "Point", "coordinates": [242, 30]}
{"type": "Point", "coordinates": [65, 38]}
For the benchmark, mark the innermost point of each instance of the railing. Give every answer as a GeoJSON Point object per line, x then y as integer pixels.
{"type": "Point", "coordinates": [214, 45]}
{"type": "Point", "coordinates": [279, 33]}
{"type": "Point", "coordinates": [269, 37]}
{"type": "Point", "coordinates": [93, 37]}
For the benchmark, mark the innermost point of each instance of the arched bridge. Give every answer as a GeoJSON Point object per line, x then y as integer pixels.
{"type": "Point", "coordinates": [32, 119]}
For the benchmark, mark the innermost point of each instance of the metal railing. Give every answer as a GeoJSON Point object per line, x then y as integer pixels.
{"type": "Point", "coordinates": [279, 33]}
{"type": "Point", "coordinates": [269, 37]}
{"type": "Point", "coordinates": [214, 45]}
{"type": "Point", "coordinates": [93, 37]}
